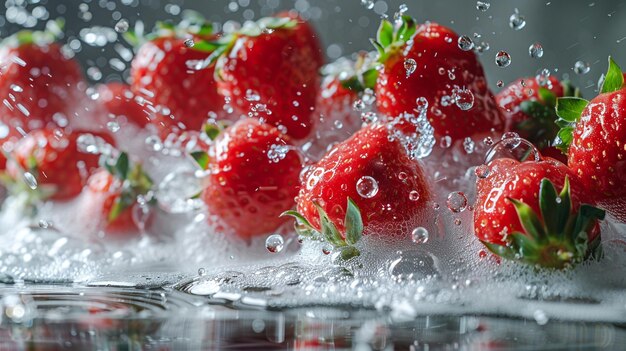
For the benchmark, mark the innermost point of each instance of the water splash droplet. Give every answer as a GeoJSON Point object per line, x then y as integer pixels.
{"type": "Point", "coordinates": [419, 235]}
{"type": "Point", "coordinates": [469, 145]}
{"type": "Point", "coordinates": [465, 43]}
{"type": "Point", "coordinates": [274, 243]}
{"type": "Point", "coordinates": [517, 21]}
{"type": "Point", "coordinates": [535, 50]}
{"type": "Point", "coordinates": [482, 6]}
{"type": "Point", "coordinates": [122, 26]}
{"type": "Point", "coordinates": [456, 202]}
{"type": "Point", "coordinates": [30, 180]}
{"type": "Point", "coordinates": [410, 66]}
{"type": "Point", "coordinates": [464, 99]}
{"type": "Point", "coordinates": [189, 43]}
{"type": "Point", "coordinates": [503, 59]}
{"type": "Point", "coordinates": [367, 187]}
{"type": "Point", "coordinates": [581, 67]}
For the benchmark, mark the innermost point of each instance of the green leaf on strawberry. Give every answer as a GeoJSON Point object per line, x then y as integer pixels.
{"type": "Point", "coordinates": [558, 237]}
{"type": "Point", "coordinates": [613, 79]}
{"type": "Point", "coordinates": [390, 39]}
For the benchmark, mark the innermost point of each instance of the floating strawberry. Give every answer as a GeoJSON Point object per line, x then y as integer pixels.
{"type": "Point", "coordinates": [363, 185]}
{"type": "Point", "coordinates": [52, 163]}
{"type": "Point", "coordinates": [528, 105]}
{"type": "Point", "coordinates": [166, 71]}
{"type": "Point", "coordinates": [113, 191]}
{"type": "Point", "coordinates": [253, 177]}
{"type": "Point", "coordinates": [424, 61]}
{"type": "Point", "coordinates": [594, 135]}
{"type": "Point", "coordinates": [269, 70]}
{"type": "Point", "coordinates": [520, 213]}
{"type": "Point", "coordinates": [39, 85]}
{"type": "Point", "coordinates": [120, 102]}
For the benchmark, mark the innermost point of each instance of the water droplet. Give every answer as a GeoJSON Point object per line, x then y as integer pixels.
{"type": "Point", "coordinates": [457, 221]}
{"type": "Point", "coordinates": [367, 187]}
{"type": "Point", "coordinates": [414, 195]}
{"type": "Point", "coordinates": [414, 265]}
{"type": "Point", "coordinates": [540, 317]}
{"type": "Point", "coordinates": [468, 145]}
{"type": "Point", "coordinates": [482, 171]}
{"type": "Point", "coordinates": [177, 192]}
{"type": "Point", "coordinates": [338, 124]}
{"type": "Point", "coordinates": [274, 243]}
{"type": "Point", "coordinates": [488, 141]}
{"type": "Point", "coordinates": [369, 117]}
{"type": "Point", "coordinates": [419, 235]}
{"type": "Point", "coordinates": [189, 43]}
{"type": "Point", "coordinates": [369, 4]}
{"type": "Point", "coordinates": [16, 88]}
{"type": "Point", "coordinates": [358, 105]}
{"type": "Point", "coordinates": [421, 103]}
{"type": "Point", "coordinates": [581, 67]}
{"type": "Point", "coordinates": [18, 309]}
{"type": "Point", "coordinates": [445, 142]}
{"type": "Point", "coordinates": [511, 139]}
{"type": "Point", "coordinates": [465, 43]}
{"type": "Point", "coordinates": [327, 249]}
{"type": "Point", "coordinates": [113, 126]}
{"type": "Point", "coordinates": [409, 66]}
{"type": "Point", "coordinates": [503, 59]}
{"type": "Point", "coordinates": [482, 5]}
{"type": "Point", "coordinates": [464, 99]}
{"type": "Point", "coordinates": [276, 153]}
{"type": "Point", "coordinates": [535, 50]}
{"type": "Point", "coordinates": [457, 202]}
{"type": "Point", "coordinates": [201, 271]}
{"type": "Point", "coordinates": [122, 26]}
{"type": "Point", "coordinates": [30, 180]}
{"type": "Point", "coordinates": [500, 84]}
{"type": "Point", "coordinates": [517, 21]}
{"type": "Point", "coordinates": [45, 224]}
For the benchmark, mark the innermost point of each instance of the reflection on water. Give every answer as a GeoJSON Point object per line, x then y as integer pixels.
{"type": "Point", "coordinates": [98, 318]}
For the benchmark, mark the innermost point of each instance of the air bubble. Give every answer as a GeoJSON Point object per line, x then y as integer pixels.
{"type": "Point", "coordinates": [367, 187]}
{"type": "Point", "coordinates": [581, 67]}
{"type": "Point", "coordinates": [409, 66]}
{"type": "Point", "coordinates": [30, 180]}
{"type": "Point", "coordinates": [535, 50]}
{"type": "Point", "coordinates": [468, 145]}
{"type": "Point", "coordinates": [414, 195]}
{"type": "Point", "coordinates": [189, 43]}
{"type": "Point", "coordinates": [482, 6]}
{"type": "Point", "coordinates": [482, 171]}
{"type": "Point", "coordinates": [503, 59]}
{"type": "Point", "coordinates": [419, 235]}
{"type": "Point", "coordinates": [201, 271]}
{"type": "Point", "coordinates": [122, 26]}
{"type": "Point", "coordinates": [464, 99]}
{"type": "Point", "coordinates": [457, 202]}
{"type": "Point", "coordinates": [500, 84]}
{"type": "Point", "coordinates": [113, 126]}
{"type": "Point", "coordinates": [465, 43]}
{"type": "Point", "coordinates": [358, 105]}
{"type": "Point", "coordinates": [421, 103]}
{"type": "Point", "coordinates": [517, 21]}
{"type": "Point", "coordinates": [274, 243]}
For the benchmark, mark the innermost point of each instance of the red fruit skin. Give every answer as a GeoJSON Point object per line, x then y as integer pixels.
{"type": "Point", "coordinates": [50, 84]}
{"type": "Point", "coordinates": [335, 105]}
{"type": "Point", "coordinates": [282, 69]}
{"type": "Point", "coordinates": [495, 216]}
{"type": "Point", "coordinates": [160, 73]}
{"type": "Point", "coordinates": [436, 53]}
{"type": "Point", "coordinates": [246, 189]}
{"type": "Point", "coordinates": [511, 97]}
{"type": "Point", "coordinates": [105, 189]}
{"type": "Point", "coordinates": [597, 154]}
{"type": "Point", "coordinates": [57, 161]}
{"type": "Point", "coordinates": [119, 101]}
{"type": "Point", "coordinates": [367, 153]}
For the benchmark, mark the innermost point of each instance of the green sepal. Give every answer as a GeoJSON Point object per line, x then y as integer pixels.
{"type": "Point", "coordinates": [365, 76]}
{"type": "Point", "coordinates": [390, 39]}
{"type": "Point", "coordinates": [529, 220]}
{"type": "Point", "coordinates": [300, 218]}
{"type": "Point", "coordinates": [349, 252]}
{"type": "Point", "coordinates": [547, 96]}
{"type": "Point", "coordinates": [353, 223]}
{"type": "Point", "coordinates": [613, 79]}
{"type": "Point", "coordinates": [201, 158]}
{"type": "Point", "coordinates": [569, 110]}
{"type": "Point", "coordinates": [328, 229]}
{"type": "Point", "coordinates": [500, 250]}
{"type": "Point", "coordinates": [212, 130]}
{"type": "Point", "coordinates": [52, 33]}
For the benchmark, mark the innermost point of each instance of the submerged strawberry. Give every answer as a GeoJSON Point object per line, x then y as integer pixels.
{"type": "Point", "coordinates": [121, 103]}
{"type": "Point", "coordinates": [53, 163]}
{"type": "Point", "coordinates": [594, 136]}
{"type": "Point", "coordinates": [39, 85]}
{"type": "Point", "coordinates": [424, 62]}
{"type": "Point", "coordinates": [167, 71]}
{"type": "Point", "coordinates": [269, 70]}
{"type": "Point", "coordinates": [365, 184]}
{"type": "Point", "coordinates": [253, 177]}
{"type": "Point", "coordinates": [531, 211]}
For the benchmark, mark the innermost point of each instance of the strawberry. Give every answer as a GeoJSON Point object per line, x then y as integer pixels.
{"type": "Point", "coordinates": [119, 101]}
{"type": "Point", "coordinates": [165, 72]}
{"type": "Point", "coordinates": [531, 211]}
{"type": "Point", "coordinates": [528, 106]}
{"type": "Point", "coordinates": [39, 85]}
{"type": "Point", "coordinates": [269, 70]}
{"type": "Point", "coordinates": [112, 191]}
{"type": "Point", "coordinates": [253, 177]}
{"type": "Point", "coordinates": [424, 61]}
{"type": "Point", "coordinates": [54, 162]}
{"type": "Point", "coordinates": [594, 136]}
{"type": "Point", "coordinates": [363, 185]}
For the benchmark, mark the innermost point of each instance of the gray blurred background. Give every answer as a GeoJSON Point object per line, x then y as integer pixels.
{"type": "Point", "coordinates": [568, 30]}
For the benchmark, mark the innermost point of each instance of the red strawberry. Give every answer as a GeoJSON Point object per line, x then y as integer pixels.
{"type": "Point", "coordinates": [112, 192]}
{"type": "Point", "coordinates": [531, 211]}
{"type": "Point", "coordinates": [596, 135]}
{"type": "Point", "coordinates": [364, 184]}
{"type": "Point", "coordinates": [425, 62]}
{"type": "Point", "coordinates": [250, 182]}
{"type": "Point", "coordinates": [269, 70]}
{"type": "Point", "coordinates": [39, 86]}
{"type": "Point", "coordinates": [53, 161]}
{"type": "Point", "coordinates": [528, 106]}
{"type": "Point", "coordinates": [119, 101]}
{"type": "Point", "coordinates": [164, 72]}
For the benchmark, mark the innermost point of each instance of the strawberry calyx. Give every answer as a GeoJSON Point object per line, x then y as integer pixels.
{"type": "Point", "coordinates": [52, 33]}
{"type": "Point", "coordinates": [569, 109]}
{"type": "Point", "coordinates": [134, 182]}
{"type": "Point", "coordinates": [391, 38]}
{"type": "Point", "coordinates": [559, 238]}
{"type": "Point", "coordinates": [329, 232]}
{"type": "Point", "coordinates": [193, 24]}
{"type": "Point", "coordinates": [363, 74]}
{"type": "Point", "coordinates": [541, 127]}
{"type": "Point", "coordinates": [250, 29]}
